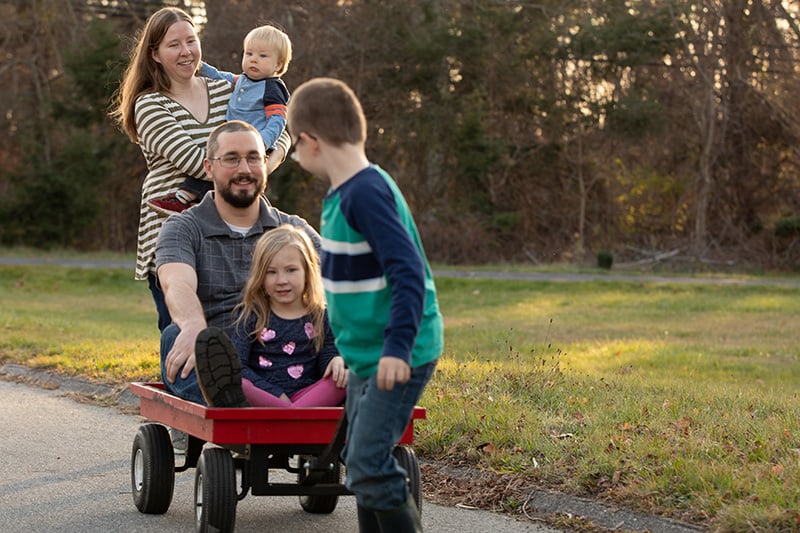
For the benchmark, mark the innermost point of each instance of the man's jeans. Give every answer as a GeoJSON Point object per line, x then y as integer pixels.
{"type": "Point", "coordinates": [376, 421]}
{"type": "Point", "coordinates": [164, 319]}
{"type": "Point", "coordinates": [188, 388]}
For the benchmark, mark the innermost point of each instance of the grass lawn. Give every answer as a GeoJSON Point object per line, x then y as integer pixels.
{"type": "Point", "coordinates": [677, 399]}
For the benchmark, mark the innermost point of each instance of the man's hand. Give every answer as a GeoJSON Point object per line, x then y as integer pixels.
{"type": "Point", "coordinates": [392, 370]}
{"type": "Point", "coordinates": [179, 283]}
{"type": "Point", "coordinates": [181, 356]}
{"type": "Point", "coordinates": [337, 371]}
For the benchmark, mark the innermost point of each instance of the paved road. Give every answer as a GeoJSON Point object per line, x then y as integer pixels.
{"type": "Point", "coordinates": [66, 467]}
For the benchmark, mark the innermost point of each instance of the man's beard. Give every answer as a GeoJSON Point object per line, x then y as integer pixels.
{"type": "Point", "coordinates": [244, 198]}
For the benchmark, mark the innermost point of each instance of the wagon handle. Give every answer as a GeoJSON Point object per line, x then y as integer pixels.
{"type": "Point", "coordinates": [326, 461]}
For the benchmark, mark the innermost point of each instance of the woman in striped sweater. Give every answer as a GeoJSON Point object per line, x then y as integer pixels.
{"type": "Point", "coordinates": [169, 111]}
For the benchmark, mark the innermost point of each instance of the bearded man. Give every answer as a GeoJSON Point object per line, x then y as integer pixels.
{"type": "Point", "coordinates": [203, 254]}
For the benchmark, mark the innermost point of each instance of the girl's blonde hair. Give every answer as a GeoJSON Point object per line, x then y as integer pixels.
{"type": "Point", "coordinates": [255, 301]}
{"type": "Point", "coordinates": [273, 37]}
{"type": "Point", "coordinates": [143, 74]}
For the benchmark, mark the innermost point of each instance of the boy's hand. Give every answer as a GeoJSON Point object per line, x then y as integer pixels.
{"type": "Point", "coordinates": [337, 371]}
{"type": "Point", "coordinates": [392, 370]}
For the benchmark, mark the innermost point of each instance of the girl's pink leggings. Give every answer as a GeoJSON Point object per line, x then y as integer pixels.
{"type": "Point", "coordinates": [323, 393]}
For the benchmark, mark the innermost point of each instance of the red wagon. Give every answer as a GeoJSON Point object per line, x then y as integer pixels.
{"type": "Point", "coordinates": [253, 440]}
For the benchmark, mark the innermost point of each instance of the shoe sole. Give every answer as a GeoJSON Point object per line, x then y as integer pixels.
{"type": "Point", "coordinates": [161, 210]}
{"type": "Point", "coordinates": [166, 212]}
{"type": "Point", "coordinates": [219, 372]}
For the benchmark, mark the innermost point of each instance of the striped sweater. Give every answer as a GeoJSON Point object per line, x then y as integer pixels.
{"type": "Point", "coordinates": [173, 142]}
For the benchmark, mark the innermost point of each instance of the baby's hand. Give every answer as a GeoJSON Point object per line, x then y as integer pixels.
{"type": "Point", "coordinates": [337, 371]}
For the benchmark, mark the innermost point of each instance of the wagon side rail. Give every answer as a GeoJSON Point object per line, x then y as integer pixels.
{"type": "Point", "coordinates": [246, 425]}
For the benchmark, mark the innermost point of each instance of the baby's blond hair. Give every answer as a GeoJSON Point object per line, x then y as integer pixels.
{"type": "Point", "coordinates": [273, 37]}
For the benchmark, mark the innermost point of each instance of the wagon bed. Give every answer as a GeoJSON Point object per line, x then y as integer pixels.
{"type": "Point", "coordinates": [249, 441]}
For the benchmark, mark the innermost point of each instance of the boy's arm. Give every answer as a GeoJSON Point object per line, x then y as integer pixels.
{"type": "Point", "coordinates": [373, 212]}
{"type": "Point", "coordinates": [276, 96]}
{"type": "Point", "coordinates": [273, 129]}
{"type": "Point", "coordinates": [207, 71]}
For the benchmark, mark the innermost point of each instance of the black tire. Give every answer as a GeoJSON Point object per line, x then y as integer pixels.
{"type": "Point", "coordinates": [408, 460]}
{"type": "Point", "coordinates": [215, 491]}
{"type": "Point", "coordinates": [316, 504]}
{"type": "Point", "coordinates": [152, 469]}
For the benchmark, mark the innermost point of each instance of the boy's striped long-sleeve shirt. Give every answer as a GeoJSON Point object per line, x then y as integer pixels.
{"type": "Point", "coordinates": [379, 287]}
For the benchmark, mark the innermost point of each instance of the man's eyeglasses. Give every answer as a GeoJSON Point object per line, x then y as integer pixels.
{"type": "Point", "coordinates": [232, 160]}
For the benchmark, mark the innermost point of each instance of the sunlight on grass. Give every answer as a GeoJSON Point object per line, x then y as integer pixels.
{"type": "Point", "coordinates": [96, 323]}
{"type": "Point", "coordinates": [679, 399]}
{"type": "Point", "coordinates": [115, 361]}
{"type": "Point", "coordinates": [666, 444]}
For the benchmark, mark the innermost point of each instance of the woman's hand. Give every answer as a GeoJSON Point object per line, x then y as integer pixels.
{"type": "Point", "coordinates": [275, 159]}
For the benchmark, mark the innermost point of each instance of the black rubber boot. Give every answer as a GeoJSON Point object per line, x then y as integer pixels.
{"type": "Point", "coordinates": [404, 519]}
{"type": "Point", "coordinates": [219, 371]}
{"type": "Point", "coordinates": [367, 521]}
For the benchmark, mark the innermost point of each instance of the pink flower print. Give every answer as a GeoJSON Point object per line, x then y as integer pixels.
{"type": "Point", "coordinates": [263, 362]}
{"type": "Point", "coordinates": [267, 334]}
{"type": "Point", "coordinates": [289, 347]}
{"type": "Point", "coordinates": [295, 371]}
{"type": "Point", "coordinates": [309, 327]}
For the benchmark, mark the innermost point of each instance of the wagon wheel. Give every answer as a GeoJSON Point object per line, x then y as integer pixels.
{"type": "Point", "coordinates": [152, 469]}
{"type": "Point", "coordinates": [318, 504]}
{"type": "Point", "coordinates": [408, 460]}
{"type": "Point", "coordinates": [215, 491]}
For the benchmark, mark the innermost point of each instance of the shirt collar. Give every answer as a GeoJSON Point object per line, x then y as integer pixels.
{"type": "Point", "coordinates": [214, 225]}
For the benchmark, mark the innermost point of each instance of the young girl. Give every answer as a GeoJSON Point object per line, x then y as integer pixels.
{"type": "Point", "coordinates": [282, 334]}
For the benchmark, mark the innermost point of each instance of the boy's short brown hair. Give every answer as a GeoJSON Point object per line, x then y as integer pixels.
{"type": "Point", "coordinates": [329, 109]}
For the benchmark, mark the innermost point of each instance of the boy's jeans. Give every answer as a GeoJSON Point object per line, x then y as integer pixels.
{"type": "Point", "coordinates": [376, 421]}
{"type": "Point", "coordinates": [188, 388]}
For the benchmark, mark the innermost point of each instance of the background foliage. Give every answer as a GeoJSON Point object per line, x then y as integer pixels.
{"type": "Point", "coordinates": [519, 131]}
